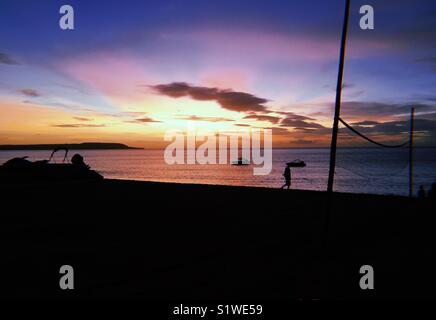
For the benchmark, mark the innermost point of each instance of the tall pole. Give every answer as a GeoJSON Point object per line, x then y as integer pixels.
{"type": "Point", "coordinates": [412, 127]}
{"type": "Point", "coordinates": [338, 98]}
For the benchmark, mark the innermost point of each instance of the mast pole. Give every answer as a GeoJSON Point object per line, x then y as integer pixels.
{"type": "Point", "coordinates": [338, 99]}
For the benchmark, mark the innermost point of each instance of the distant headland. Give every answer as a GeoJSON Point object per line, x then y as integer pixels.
{"type": "Point", "coordinates": [70, 146]}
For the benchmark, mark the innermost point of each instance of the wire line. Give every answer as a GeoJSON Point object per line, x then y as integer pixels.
{"type": "Point", "coordinates": [371, 140]}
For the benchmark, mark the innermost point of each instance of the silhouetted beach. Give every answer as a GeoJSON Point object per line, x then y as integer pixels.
{"type": "Point", "coordinates": [359, 170]}
{"type": "Point", "coordinates": [149, 240]}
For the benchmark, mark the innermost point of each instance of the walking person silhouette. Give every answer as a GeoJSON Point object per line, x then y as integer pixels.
{"type": "Point", "coordinates": [287, 175]}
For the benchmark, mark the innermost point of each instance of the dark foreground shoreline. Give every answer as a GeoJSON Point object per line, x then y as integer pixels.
{"type": "Point", "coordinates": [145, 240]}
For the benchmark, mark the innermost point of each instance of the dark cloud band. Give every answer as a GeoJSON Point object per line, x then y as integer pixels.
{"type": "Point", "coordinates": [227, 99]}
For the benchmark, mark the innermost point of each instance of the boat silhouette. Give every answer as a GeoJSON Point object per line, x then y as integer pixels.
{"type": "Point", "coordinates": [22, 170]}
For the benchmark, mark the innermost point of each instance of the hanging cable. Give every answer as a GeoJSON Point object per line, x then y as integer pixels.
{"type": "Point", "coordinates": [369, 139]}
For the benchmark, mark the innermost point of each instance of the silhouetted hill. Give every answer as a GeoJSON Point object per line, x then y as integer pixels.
{"type": "Point", "coordinates": [71, 146]}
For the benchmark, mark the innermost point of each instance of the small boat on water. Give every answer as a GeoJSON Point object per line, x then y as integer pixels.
{"type": "Point", "coordinates": [241, 162]}
{"type": "Point", "coordinates": [22, 170]}
{"type": "Point", "coordinates": [296, 164]}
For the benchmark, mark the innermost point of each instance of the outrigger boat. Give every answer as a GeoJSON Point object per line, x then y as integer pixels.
{"type": "Point", "coordinates": [22, 170]}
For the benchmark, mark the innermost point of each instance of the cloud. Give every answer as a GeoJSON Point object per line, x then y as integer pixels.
{"type": "Point", "coordinates": [293, 116]}
{"type": "Point", "coordinates": [7, 59]}
{"type": "Point", "coordinates": [208, 119]}
{"type": "Point", "coordinates": [380, 109]}
{"type": "Point", "coordinates": [297, 124]}
{"type": "Point", "coordinates": [82, 119]}
{"type": "Point", "coordinates": [236, 101]}
{"type": "Point", "coordinates": [425, 131]}
{"type": "Point", "coordinates": [302, 141]}
{"type": "Point", "coordinates": [261, 117]}
{"type": "Point", "coordinates": [143, 120]}
{"type": "Point", "coordinates": [30, 92]}
{"type": "Point", "coordinates": [241, 101]}
{"type": "Point", "coordinates": [78, 125]}
{"type": "Point", "coordinates": [395, 127]}
{"type": "Point", "coordinates": [146, 120]}
{"type": "Point", "coordinates": [279, 131]}
{"type": "Point", "coordinates": [296, 121]}
{"type": "Point", "coordinates": [385, 128]}
{"type": "Point", "coordinates": [347, 86]}
{"type": "Point", "coordinates": [365, 123]}
{"type": "Point", "coordinates": [227, 99]}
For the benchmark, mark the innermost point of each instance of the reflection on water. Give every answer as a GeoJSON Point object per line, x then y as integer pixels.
{"type": "Point", "coordinates": [359, 170]}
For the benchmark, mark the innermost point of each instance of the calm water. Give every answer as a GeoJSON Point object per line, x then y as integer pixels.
{"type": "Point", "coordinates": [382, 171]}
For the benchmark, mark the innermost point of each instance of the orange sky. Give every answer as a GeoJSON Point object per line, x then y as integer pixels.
{"type": "Point", "coordinates": [131, 74]}
{"type": "Point", "coordinates": [27, 123]}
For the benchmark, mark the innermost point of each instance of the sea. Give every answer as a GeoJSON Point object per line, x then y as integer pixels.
{"type": "Point", "coordinates": [358, 170]}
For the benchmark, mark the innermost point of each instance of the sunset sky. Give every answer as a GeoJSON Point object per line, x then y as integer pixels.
{"type": "Point", "coordinates": [133, 69]}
